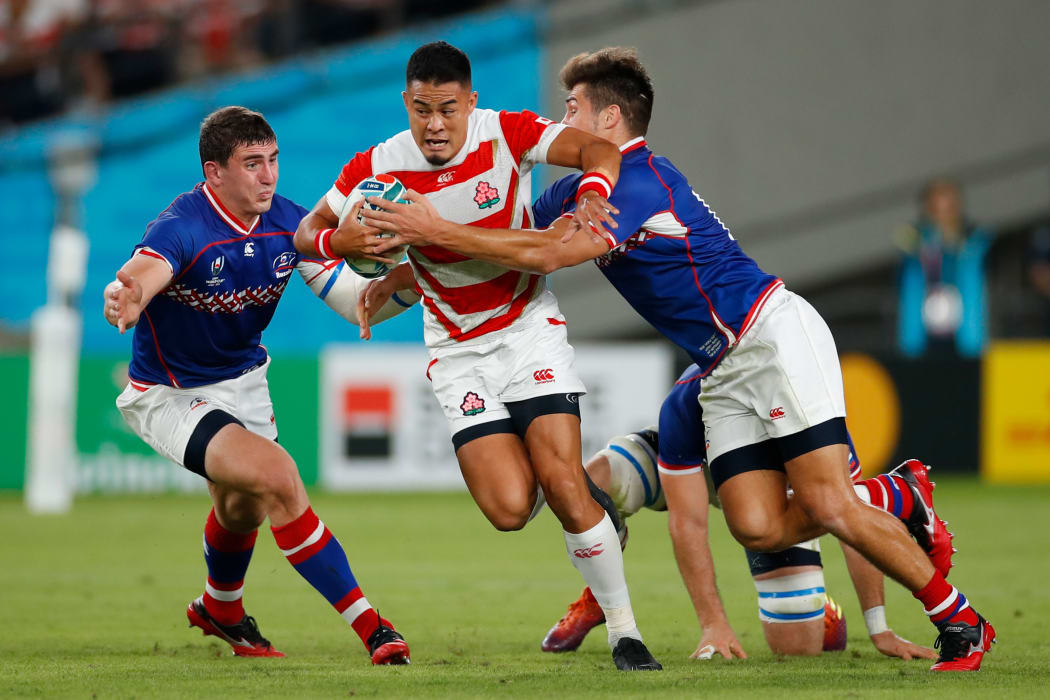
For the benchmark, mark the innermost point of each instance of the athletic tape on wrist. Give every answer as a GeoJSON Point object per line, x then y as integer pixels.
{"type": "Point", "coordinates": [322, 242]}
{"type": "Point", "coordinates": [594, 182]}
{"type": "Point", "coordinates": [875, 620]}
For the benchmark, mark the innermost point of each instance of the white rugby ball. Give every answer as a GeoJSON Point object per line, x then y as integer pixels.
{"type": "Point", "coordinates": [385, 186]}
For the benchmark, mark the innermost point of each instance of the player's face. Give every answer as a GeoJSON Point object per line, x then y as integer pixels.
{"type": "Point", "coordinates": [249, 178]}
{"type": "Point", "coordinates": [579, 110]}
{"type": "Point", "coordinates": [437, 117]}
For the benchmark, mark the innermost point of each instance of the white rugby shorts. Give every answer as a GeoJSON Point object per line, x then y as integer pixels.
{"type": "Point", "coordinates": [165, 417]}
{"type": "Point", "coordinates": [782, 377]}
{"type": "Point", "coordinates": [473, 382]}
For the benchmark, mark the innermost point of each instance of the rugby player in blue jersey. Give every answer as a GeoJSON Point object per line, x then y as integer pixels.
{"type": "Point", "coordinates": [773, 406]}
{"type": "Point", "coordinates": [199, 289]}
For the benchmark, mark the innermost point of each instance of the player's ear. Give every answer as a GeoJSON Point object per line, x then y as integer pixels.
{"type": "Point", "coordinates": [472, 102]}
{"type": "Point", "coordinates": [404, 98]}
{"type": "Point", "coordinates": [611, 116]}
{"type": "Point", "coordinates": [212, 171]}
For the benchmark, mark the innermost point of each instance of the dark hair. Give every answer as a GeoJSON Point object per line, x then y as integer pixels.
{"type": "Point", "coordinates": [226, 128]}
{"type": "Point", "coordinates": [438, 62]}
{"type": "Point", "coordinates": [614, 76]}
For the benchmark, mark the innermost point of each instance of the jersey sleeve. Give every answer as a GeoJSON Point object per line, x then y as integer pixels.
{"type": "Point", "coordinates": [167, 240]}
{"type": "Point", "coordinates": [554, 201]}
{"type": "Point", "coordinates": [529, 135]}
{"type": "Point", "coordinates": [682, 447]}
{"type": "Point", "coordinates": [357, 169]}
{"type": "Point", "coordinates": [637, 202]}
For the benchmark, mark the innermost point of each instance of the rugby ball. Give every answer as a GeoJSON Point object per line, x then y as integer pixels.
{"type": "Point", "coordinates": [385, 186]}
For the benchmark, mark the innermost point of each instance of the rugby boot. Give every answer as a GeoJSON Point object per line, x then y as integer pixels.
{"type": "Point", "coordinates": [387, 647]}
{"type": "Point", "coordinates": [630, 654]}
{"type": "Point", "coordinates": [244, 636]}
{"type": "Point", "coordinates": [963, 646]}
{"type": "Point", "coordinates": [928, 530]}
{"type": "Point", "coordinates": [567, 634]}
{"type": "Point", "coordinates": [834, 626]}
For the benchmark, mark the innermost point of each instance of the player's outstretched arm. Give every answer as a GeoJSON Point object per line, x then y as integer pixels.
{"type": "Point", "coordinates": [321, 235]}
{"type": "Point", "coordinates": [378, 299]}
{"type": "Point", "coordinates": [868, 581]}
{"type": "Point", "coordinates": [137, 282]}
{"type": "Point", "coordinates": [540, 252]}
{"type": "Point", "coordinates": [687, 505]}
{"type": "Point", "coordinates": [338, 287]}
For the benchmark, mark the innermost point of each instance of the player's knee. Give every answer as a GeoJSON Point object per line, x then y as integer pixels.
{"type": "Point", "coordinates": [278, 478]}
{"type": "Point", "coordinates": [508, 520]}
{"type": "Point", "coordinates": [755, 532]}
{"type": "Point", "coordinates": [792, 599]}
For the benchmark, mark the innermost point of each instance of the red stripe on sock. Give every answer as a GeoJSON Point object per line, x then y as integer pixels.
{"type": "Point", "coordinates": [365, 624]}
{"type": "Point", "coordinates": [227, 612]}
{"type": "Point", "coordinates": [225, 540]}
{"type": "Point", "coordinates": [307, 552]}
{"type": "Point", "coordinates": [934, 593]}
{"type": "Point", "coordinates": [293, 534]}
{"type": "Point", "coordinates": [348, 600]}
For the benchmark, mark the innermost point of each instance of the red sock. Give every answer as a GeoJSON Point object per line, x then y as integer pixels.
{"type": "Point", "coordinates": [227, 555]}
{"type": "Point", "coordinates": [891, 494]}
{"type": "Point", "coordinates": [944, 603]}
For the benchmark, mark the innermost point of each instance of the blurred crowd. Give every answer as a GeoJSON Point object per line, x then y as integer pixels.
{"type": "Point", "coordinates": [68, 54]}
{"type": "Point", "coordinates": [943, 301]}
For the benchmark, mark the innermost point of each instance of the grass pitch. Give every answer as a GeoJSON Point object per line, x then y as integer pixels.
{"type": "Point", "coordinates": [93, 606]}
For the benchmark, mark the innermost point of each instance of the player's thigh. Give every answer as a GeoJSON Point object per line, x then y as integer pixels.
{"type": "Point", "coordinates": [752, 489]}
{"type": "Point", "coordinates": [499, 476]}
{"type": "Point", "coordinates": [254, 405]}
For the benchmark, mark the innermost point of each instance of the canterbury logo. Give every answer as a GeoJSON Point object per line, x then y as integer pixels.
{"type": "Point", "coordinates": [543, 375]}
{"type": "Point", "coordinates": [588, 552]}
{"type": "Point", "coordinates": [445, 178]}
{"type": "Point", "coordinates": [777, 412]}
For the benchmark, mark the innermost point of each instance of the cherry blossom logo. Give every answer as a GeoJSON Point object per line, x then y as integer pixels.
{"type": "Point", "coordinates": [486, 196]}
{"type": "Point", "coordinates": [472, 404]}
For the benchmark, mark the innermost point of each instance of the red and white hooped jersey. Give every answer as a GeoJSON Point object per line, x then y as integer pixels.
{"type": "Point", "coordinates": [487, 184]}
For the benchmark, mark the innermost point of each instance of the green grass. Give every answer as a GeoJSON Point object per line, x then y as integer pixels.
{"type": "Point", "coordinates": [91, 605]}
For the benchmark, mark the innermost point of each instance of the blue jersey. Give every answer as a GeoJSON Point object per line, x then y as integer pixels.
{"type": "Point", "coordinates": [671, 258]}
{"type": "Point", "coordinates": [682, 445]}
{"type": "Point", "coordinates": [226, 281]}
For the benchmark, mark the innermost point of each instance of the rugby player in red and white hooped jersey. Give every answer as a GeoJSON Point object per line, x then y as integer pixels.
{"type": "Point", "coordinates": [772, 398]}
{"type": "Point", "coordinates": [500, 362]}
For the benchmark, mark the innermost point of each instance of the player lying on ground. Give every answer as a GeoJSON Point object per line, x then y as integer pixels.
{"type": "Point", "coordinates": [500, 362]}
{"type": "Point", "coordinates": [773, 407]}
{"type": "Point", "coordinates": [796, 620]}
{"type": "Point", "coordinates": [205, 280]}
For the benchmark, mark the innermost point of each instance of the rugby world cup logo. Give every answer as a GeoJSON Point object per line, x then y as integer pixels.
{"type": "Point", "coordinates": [217, 265]}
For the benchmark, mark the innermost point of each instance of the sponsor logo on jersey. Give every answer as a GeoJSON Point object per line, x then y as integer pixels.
{"type": "Point", "coordinates": [543, 376]}
{"type": "Point", "coordinates": [775, 413]}
{"type": "Point", "coordinates": [283, 264]}
{"type": "Point", "coordinates": [472, 404]}
{"type": "Point", "coordinates": [249, 249]}
{"type": "Point", "coordinates": [486, 196]}
{"type": "Point", "coordinates": [446, 178]}
{"type": "Point", "coordinates": [197, 403]}
{"type": "Point", "coordinates": [588, 552]}
{"type": "Point", "coordinates": [216, 267]}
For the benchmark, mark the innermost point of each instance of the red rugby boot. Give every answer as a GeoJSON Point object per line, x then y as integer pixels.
{"type": "Point", "coordinates": [963, 646]}
{"type": "Point", "coordinates": [387, 647]}
{"type": "Point", "coordinates": [834, 626]}
{"type": "Point", "coordinates": [244, 637]}
{"type": "Point", "coordinates": [584, 615]}
{"type": "Point", "coordinates": [928, 530]}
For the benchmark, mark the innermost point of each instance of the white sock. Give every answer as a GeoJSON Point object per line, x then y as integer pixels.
{"type": "Point", "coordinates": [596, 555]}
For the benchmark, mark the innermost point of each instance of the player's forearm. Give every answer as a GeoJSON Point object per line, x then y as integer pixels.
{"type": "Point", "coordinates": [696, 565]}
{"type": "Point", "coordinates": [601, 156]}
{"type": "Point", "coordinates": [867, 580]}
{"type": "Point", "coordinates": [528, 250]}
{"type": "Point", "coordinates": [306, 237]}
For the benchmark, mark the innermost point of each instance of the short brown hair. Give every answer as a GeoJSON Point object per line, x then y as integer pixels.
{"type": "Point", "coordinates": [614, 76]}
{"type": "Point", "coordinates": [228, 127]}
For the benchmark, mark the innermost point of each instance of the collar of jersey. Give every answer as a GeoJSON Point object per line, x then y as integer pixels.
{"type": "Point", "coordinates": [633, 145]}
{"type": "Point", "coordinates": [224, 214]}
